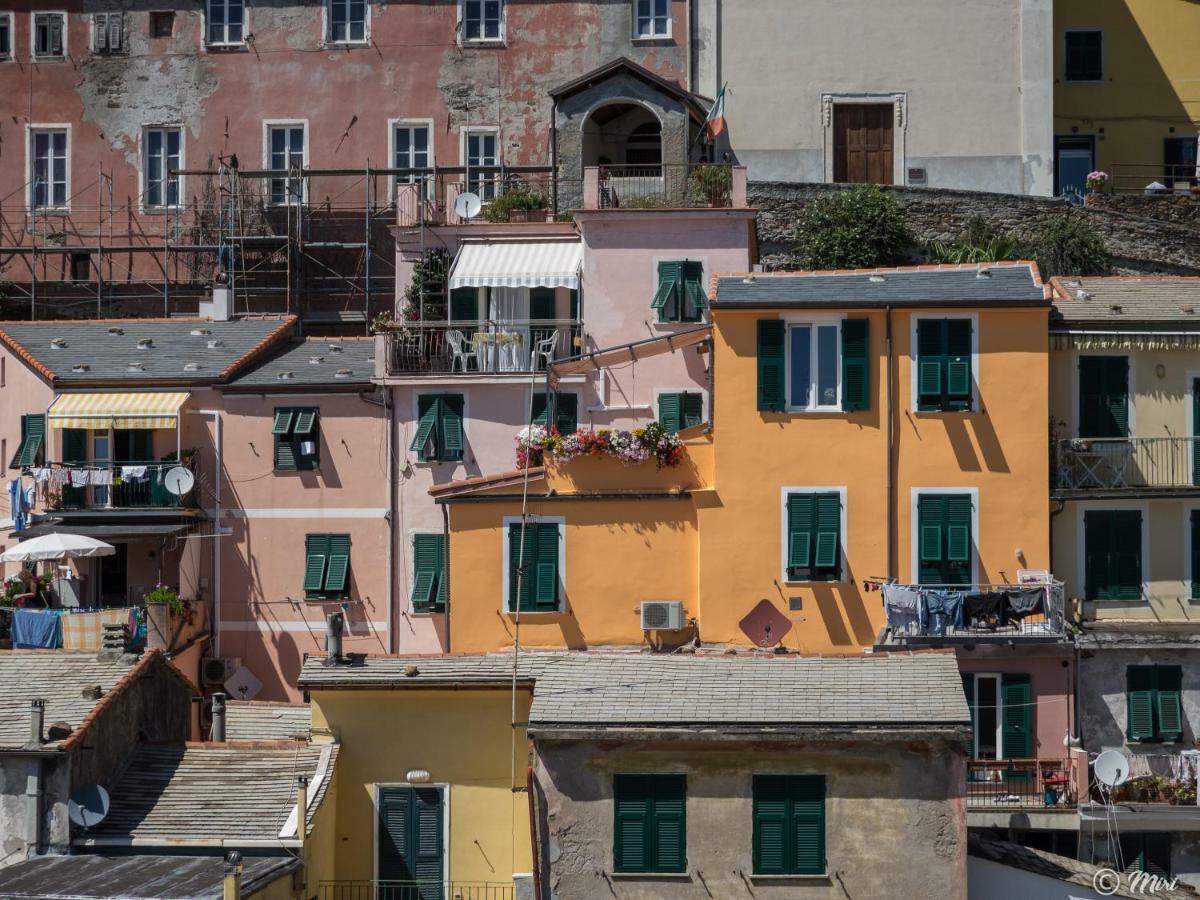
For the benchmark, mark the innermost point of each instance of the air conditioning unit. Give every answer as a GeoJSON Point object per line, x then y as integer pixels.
{"type": "Point", "coordinates": [662, 615]}
{"type": "Point", "coordinates": [218, 669]}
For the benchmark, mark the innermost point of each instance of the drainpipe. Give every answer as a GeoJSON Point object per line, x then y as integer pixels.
{"type": "Point", "coordinates": [891, 449]}
{"type": "Point", "coordinates": [216, 517]}
{"type": "Point", "coordinates": [37, 721]}
{"type": "Point", "coordinates": [533, 834]}
{"type": "Point", "coordinates": [302, 812]}
{"type": "Point", "coordinates": [554, 157]}
{"type": "Point", "coordinates": [334, 625]}
{"type": "Point", "coordinates": [446, 567]}
{"type": "Point", "coordinates": [388, 403]}
{"type": "Point", "coordinates": [36, 784]}
{"type": "Point", "coordinates": [218, 718]}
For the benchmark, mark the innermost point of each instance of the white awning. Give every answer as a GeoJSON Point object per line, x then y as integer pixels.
{"type": "Point", "coordinates": [517, 264]}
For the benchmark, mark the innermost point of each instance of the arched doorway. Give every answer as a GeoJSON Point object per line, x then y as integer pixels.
{"type": "Point", "coordinates": [623, 134]}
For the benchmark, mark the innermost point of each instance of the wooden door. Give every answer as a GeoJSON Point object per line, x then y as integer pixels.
{"type": "Point", "coordinates": [862, 143]}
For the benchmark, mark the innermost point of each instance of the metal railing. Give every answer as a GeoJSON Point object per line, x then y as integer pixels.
{"type": "Point", "coordinates": [974, 611]}
{"type": "Point", "coordinates": [415, 890]}
{"type": "Point", "coordinates": [1083, 464]}
{"type": "Point", "coordinates": [428, 196]}
{"type": "Point", "coordinates": [665, 186]}
{"type": "Point", "coordinates": [1133, 178]}
{"type": "Point", "coordinates": [1020, 784]}
{"type": "Point", "coordinates": [126, 485]}
{"type": "Point", "coordinates": [481, 347]}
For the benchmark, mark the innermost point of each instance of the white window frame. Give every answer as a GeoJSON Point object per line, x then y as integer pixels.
{"type": "Point", "coordinates": [461, 27]}
{"type": "Point", "coordinates": [268, 125]}
{"type": "Point", "coordinates": [409, 124]}
{"type": "Point", "coordinates": [561, 522]}
{"type": "Point", "coordinates": [813, 322]}
{"type": "Point", "coordinates": [444, 786]}
{"type": "Point", "coordinates": [463, 141]}
{"type": "Point", "coordinates": [652, 34]}
{"type": "Point", "coordinates": [10, 20]}
{"type": "Point", "coordinates": [144, 169]}
{"type": "Point", "coordinates": [1103, 55]}
{"type": "Point", "coordinates": [914, 356]}
{"type": "Point", "coordinates": [843, 566]}
{"type": "Point", "coordinates": [914, 528]}
{"type": "Point", "coordinates": [50, 208]}
{"type": "Point", "coordinates": [1131, 397]}
{"type": "Point", "coordinates": [1142, 506]}
{"type": "Point", "coordinates": [330, 41]}
{"type": "Point", "coordinates": [47, 57]}
{"type": "Point", "coordinates": [975, 676]}
{"type": "Point", "coordinates": [206, 16]}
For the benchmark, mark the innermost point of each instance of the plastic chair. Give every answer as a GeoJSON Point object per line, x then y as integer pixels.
{"type": "Point", "coordinates": [545, 350]}
{"type": "Point", "coordinates": [458, 348]}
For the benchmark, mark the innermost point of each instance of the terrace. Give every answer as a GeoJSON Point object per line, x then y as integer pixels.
{"type": "Point", "coordinates": [1095, 467]}
{"type": "Point", "coordinates": [978, 613]}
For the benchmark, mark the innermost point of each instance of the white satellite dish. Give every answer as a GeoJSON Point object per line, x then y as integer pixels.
{"type": "Point", "coordinates": [88, 806]}
{"type": "Point", "coordinates": [467, 206]}
{"type": "Point", "coordinates": [179, 480]}
{"type": "Point", "coordinates": [1112, 768]}
{"type": "Point", "coordinates": [243, 685]}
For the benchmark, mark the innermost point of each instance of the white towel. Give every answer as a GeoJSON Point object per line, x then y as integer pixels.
{"type": "Point", "coordinates": [102, 476]}
{"type": "Point", "coordinates": [133, 471]}
{"type": "Point", "coordinates": [80, 477]}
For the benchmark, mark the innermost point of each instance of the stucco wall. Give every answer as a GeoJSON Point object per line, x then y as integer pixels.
{"type": "Point", "coordinates": [1051, 671]}
{"type": "Point", "coordinates": [21, 392]}
{"type": "Point", "coordinates": [1103, 714]}
{"type": "Point", "coordinates": [903, 802]}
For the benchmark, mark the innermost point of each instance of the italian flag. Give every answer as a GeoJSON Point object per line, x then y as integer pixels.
{"type": "Point", "coordinates": [714, 125]}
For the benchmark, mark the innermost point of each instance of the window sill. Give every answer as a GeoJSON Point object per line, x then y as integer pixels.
{"type": "Point", "coordinates": [347, 45]}
{"type": "Point", "coordinates": [427, 613]}
{"type": "Point", "coordinates": [789, 582]}
{"type": "Point", "coordinates": [496, 43]}
{"type": "Point", "coordinates": [817, 410]}
{"type": "Point", "coordinates": [822, 878]}
{"type": "Point", "coordinates": [653, 39]}
{"type": "Point", "coordinates": [45, 59]}
{"type": "Point", "coordinates": [49, 211]}
{"type": "Point", "coordinates": [512, 613]}
{"type": "Point", "coordinates": [161, 210]}
{"type": "Point", "coordinates": [227, 48]}
{"type": "Point", "coordinates": [651, 876]}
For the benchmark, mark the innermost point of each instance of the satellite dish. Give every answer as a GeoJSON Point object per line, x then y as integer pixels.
{"type": "Point", "coordinates": [467, 206]}
{"type": "Point", "coordinates": [179, 480]}
{"type": "Point", "coordinates": [1112, 768]}
{"type": "Point", "coordinates": [243, 685]}
{"type": "Point", "coordinates": [88, 806]}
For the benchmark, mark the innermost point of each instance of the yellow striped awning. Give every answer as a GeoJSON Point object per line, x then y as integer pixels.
{"type": "Point", "coordinates": [100, 411]}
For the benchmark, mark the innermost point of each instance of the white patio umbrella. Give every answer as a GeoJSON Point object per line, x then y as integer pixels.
{"type": "Point", "coordinates": [57, 546]}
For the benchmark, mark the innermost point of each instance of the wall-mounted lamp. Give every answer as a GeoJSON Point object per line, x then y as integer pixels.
{"type": "Point", "coordinates": [417, 776]}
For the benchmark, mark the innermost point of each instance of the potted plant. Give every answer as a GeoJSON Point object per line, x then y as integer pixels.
{"type": "Point", "coordinates": [710, 185]}
{"type": "Point", "coordinates": [520, 204]}
{"type": "Point", "coordinates": [164, 596]}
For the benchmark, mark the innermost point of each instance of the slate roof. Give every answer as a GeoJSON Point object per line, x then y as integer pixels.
{"type": "Point", "coordinates": [1007, 284]}
{"type": "Point", "coordinates": [1060, 868]}
{"type": "Point", "coordinates": [109, 355]}
{"type": "Point", "coordinates": [598, 688]}
{"type": "Point", "coordinates": [136, 877]}
{"type": "Point", "coordinates": [1165, 301]}
{"type": "Point", "coordinates": [313, 363]}
{"type": "Point", "coordinates": [59, 677]}
{"type": "Point", "coordinates": [253, 720]}
{"type": "Point", "coordinates": [211, 794]}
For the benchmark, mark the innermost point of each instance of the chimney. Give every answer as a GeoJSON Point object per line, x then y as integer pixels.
{"type": "Point", "coordinates": [335, 623]}
{"type": "Point", "coordinates": [218, 718]}
{"type": "Point", "coordinates": [158, 626]}
{"type": "Point", "coordinates": [216, 307]}
{"type": "Point", "coordinates": [37, 719]}
{"type": "Point", "coordinates": [302, 809]}
{"type": "Point", "coordinates": [194, 732]}
{"type": "Point", "coordinates": [231, 887]}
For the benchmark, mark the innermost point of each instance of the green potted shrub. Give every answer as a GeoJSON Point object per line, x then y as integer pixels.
{"type": "Point", "coordinates": [521, 204]}
{"type": "Point", "coordinates": [710, 185]}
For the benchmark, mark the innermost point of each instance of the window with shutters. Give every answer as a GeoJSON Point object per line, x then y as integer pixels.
{"type": "Point", "coordinates": [49, 36]}
{"type": "Point", "coordinates": [108, 35]}
{"type": "Point", "coordinates": [1112, 545]}
{"type": "Point", "coordinates": [429, 573]}
{"type": "Point", "coordinates": [439, 434]}
{"type": "Point", "coordinates": [561, 410]}
{"type": "Point", "coordinates": [1083, 54]}
{"type": "Point", "coordinates": [812, 534]}
{"type": "Point", "coordinates": [49, 182]}
{"type": "Point", "coordinates": [789, 824]}
{"type": "Point", "coordinates": [818, 366]}
{"type": "Point", "coordinates": [347, 21]}
{"type": "Point", "coordinates": [533, 570]}
{"type": "Point", "coordinates": [677, 411]}
{"type": "Point", "coordinates": [1103, 396]}
{"type": "Point", "coordinates": [944, 541]}
{"type": "Point", "coordinates": [1194, 553]}
{"type": "Point", "coordinates": [1154, 703]}
{"type": "Point", "coordinates": [326, 566]}
{"type": "Point", "coordinates": [481, 20]}
{"type": "Point", "coordinates": [6, 36]}
{"type": "Point", "coordinates": [943, 370]}
{"type": "Point", "coordinates": [650, 823]}
{"type": "Point", "coordinates": [813, 366]}
{"type": "Point", "coordinates": [226, 23]}
{"type": "Point", "coordinates": [409, 841]}
{"type": "Point", "coordinates": [1002, 708]}
{"type": "Point", "coordinates": [652, 19]}
{"type": "Point", "coordinates": [162, 160]}
{"type": "Point", "coordinates": [1147, 851]}
{"type": "Point", "coordinates": [297, 434]}
{"type": "Point", "coordinates": [287, 151]}
{"type": "Point", "coordinates": [31, 451]}
{"type": "Point", "coordinates": [680, 295]}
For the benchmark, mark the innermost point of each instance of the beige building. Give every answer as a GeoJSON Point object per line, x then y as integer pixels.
{"type": "Point", "coordinates": [930, 94]}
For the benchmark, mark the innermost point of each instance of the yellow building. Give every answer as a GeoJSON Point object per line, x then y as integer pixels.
{"type": "Point", "coordinates": [850, 410]}
{"type": "Point", "coordinates": [1127, 92]}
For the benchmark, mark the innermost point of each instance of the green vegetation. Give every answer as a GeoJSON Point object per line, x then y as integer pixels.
{"type": "Point", "coordinates": [979, 243]}
{"type": "Point", "coordinates": [855, 228]}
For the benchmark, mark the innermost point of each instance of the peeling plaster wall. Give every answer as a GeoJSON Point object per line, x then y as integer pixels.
{"type": "Point", "coordinates": [1103, 715]}
{"type": "Point", "coordinates": [904, 801]}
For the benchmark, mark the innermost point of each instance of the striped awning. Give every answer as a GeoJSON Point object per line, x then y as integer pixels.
{"type": "Point", "coordinates": [134, 410]}
{"type": "Point", "coordinates": [517, 264]}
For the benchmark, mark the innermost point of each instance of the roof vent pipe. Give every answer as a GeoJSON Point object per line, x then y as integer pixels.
{"type": "Point", "coordinates": [218, 718]}
{"type": "Point", "coordinates": [216, 308]}
{"type": "Point", "coordinates": [37, 719]}
{"type": "Point", "coordinates": [334, 625]}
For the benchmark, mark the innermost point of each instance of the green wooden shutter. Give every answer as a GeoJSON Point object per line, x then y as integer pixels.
{"type": "Point", "coordinates": [771, 394]}
{"type": "Point", "coordinates": [426, 833]}
{"type": "Point", "coordinates": [695, 301]}
{"type": "Point", "coordinates": [808, 824]}
{"type": "Point", "coordinates": [670, 411]}
{"type": "Point", "coordinates": [958, 362]}
{"type": "Point", "coordinates": [829, 525]}
{"type": "Point", "coordinates": [518, 562]}
{"type": "Point", "coordinates": [305, 420]}
{"type": "Point", "coordinates": [789, 824]}
{"type": "Point", "coordinates": [801, 510]}
{"type": "Point", "coordinates": [1156, 853]}
{"type": "Point", "coordinates": [1139, 703]}
{"type": "Point", "coordinates": [33, 433]}
{"type": "Point", "coordinates": [566, 413]}
{"type": "Point", "coordinates": [958, 528]}
{"type": "Point", "coordinates": [1016, 730]}
{"type": "Point", "coordinates": [283, 421]}
{"type": "Point", "coordinates": [285, 455]}
{"type": "Point", "coordinates": [450, 440]}
{"type": "Point", "coordinates": [1117, 395]}
{"type": "Point", "coordinates": [339, 562]}
{"type": "Point", "coordinates": [546, 568]}
{"type": "Point", "coordinates": [856, 368]}
{"type": "Point", "coordinates": [632, 799]}
{"type": "Point", "coordinates": [1125, 555]}
{"type": "Point", "coordinates": [541, 304]}
{"type": "Point", "coordinates": [1195, 551]}
{"type": "Point", "coordinates": [968, 683]}
{"type": "Point", "coordinates": [464, 305]}
{"type": "Point", "coordinates": [1103, 396]}
{"type": "Point", "coordinates": [666, 298]}
{"type": "Point", "coordinates": [930, 363]}
{"type": "Point", "coordinates": [395, 815]}
{"type": "Point", "coordinates": [1195, 434]}
{"type": "Point", "coordinates": [316, 557]}
{"type": "Point", "coordinates": [429, 412]}
{"type": "Point", "coordinates": [539, 409]}
{"type": "Point", "coordinates": [770, 839]}
{"type": "Point", "coordinates": [427, 570]}
{"type": "Point", "coordinates": [1096, 543]}
{"type": "Point", "coordinates": [693, 410]}
{"type": "Point", "coordinates": [1168, 705]}
{"type": "Point", "coordinates": [930, 524]}
{"type": "Point", "coordinates": [74, 446]}
{"type": "Point", "coordinates": [669, 829]}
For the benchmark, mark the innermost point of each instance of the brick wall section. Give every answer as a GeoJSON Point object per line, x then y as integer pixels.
{"type": "Point", "coordinates": [1144, 234]}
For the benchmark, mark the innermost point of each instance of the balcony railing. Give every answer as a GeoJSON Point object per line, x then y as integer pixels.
{"type": "Point", "coordinates": [413, 890]}
{"type": "Point", "coordinates": [681, 186]}
{"type": "Point", "coordinates": [481, 348]}
{"type": "Point", "coordinates": [979, 612]}
{"type": "Point", "coordinates": [1020, 784]}
{"type": "Point", "coordinates": [429, 196]}
{"type": "Point", "coordinates": [1125, 464]}
{"type": "Point", "coordinates": [126, 485]}
{"type": "Point", "coordinates": [1155, 779]}
{"type": "Point", "coordinates": [1134, 178]}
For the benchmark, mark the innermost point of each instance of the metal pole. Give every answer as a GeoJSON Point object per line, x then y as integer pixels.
{"type": "Point", "coordinates": [367, 250]}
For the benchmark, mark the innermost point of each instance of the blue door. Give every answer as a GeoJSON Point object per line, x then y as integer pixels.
{"type": "Point", "coordinates": [1074, 160]}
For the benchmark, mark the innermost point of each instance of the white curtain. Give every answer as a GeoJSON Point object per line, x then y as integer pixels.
{"type": "Point", "coordinates": [509, 306]}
